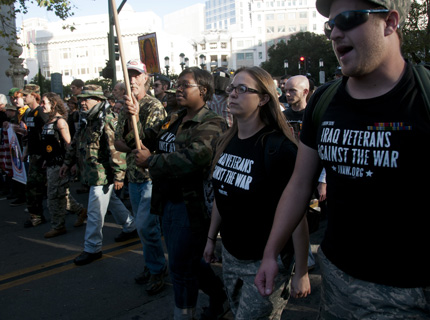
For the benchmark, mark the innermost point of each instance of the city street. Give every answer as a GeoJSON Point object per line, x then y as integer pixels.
{"type": "Point", "coordinates": [38, 279]}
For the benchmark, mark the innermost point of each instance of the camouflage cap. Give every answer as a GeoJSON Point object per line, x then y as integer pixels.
{"type": "Point", "coordinates": [10, 107]}
{"type": "Point", "coordinates": [92, 90]}
{"type": "Point", "coordinates": [402, 6]}
{"type": "Point", "coordinates": [31, 88]}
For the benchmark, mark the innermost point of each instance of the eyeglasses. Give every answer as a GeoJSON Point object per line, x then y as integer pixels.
{"type": "Point", "coordinates": [241, 88]}
{"type": "Point", "coordinates": [349, 19]}
{"type": "Point", "coordinates": [183, 85]}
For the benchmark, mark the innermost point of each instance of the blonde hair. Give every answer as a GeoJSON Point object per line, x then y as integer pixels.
{"type": "Point", "coordinates": [270, 113]}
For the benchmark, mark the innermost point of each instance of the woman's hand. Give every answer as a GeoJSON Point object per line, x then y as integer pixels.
{"type": "Point", "coordinates": [322, 191]}
{"type": "Point", "coordinates": [141, 156]}
{"type": "Point", "coordinates": [118, 185]}
{"type": "Point", "coordinates": [63, 171]}
{"type": "Point", "coordinates": [208, 254]}
{"type": "Point", "coordinates": [300, 286]}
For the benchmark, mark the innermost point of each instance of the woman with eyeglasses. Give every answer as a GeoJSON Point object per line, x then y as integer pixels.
{"type": "Point", "coordinates": [253, 163]}
{"type": "Point", "coordinates": [178, 153]}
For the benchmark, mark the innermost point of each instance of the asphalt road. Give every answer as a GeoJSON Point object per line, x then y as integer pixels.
{"type": "Point", "coordinates": [38, 279]}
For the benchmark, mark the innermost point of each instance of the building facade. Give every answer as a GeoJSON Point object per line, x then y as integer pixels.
{"type": "Point", "coordinates": [221, 33]}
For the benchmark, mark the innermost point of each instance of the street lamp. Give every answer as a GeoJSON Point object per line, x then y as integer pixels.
{"type": "Point", "coordinates": [322, 72]}
{"type": "Point", "coordinates": [202, 61]}
{"type": "Point", "coordinates": [166, 65]}
{"type": "Point", "coordinates": [182, 63]}
{"type": "Point", "coordinates": [286, 65]}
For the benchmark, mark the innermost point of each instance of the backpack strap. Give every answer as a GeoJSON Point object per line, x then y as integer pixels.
{"type": "Point", "coordinates": [272, 146]}
{"type": "Point", "coordinates": [324, 101]}
{"type": "Point", "coordinates": [422, 77]}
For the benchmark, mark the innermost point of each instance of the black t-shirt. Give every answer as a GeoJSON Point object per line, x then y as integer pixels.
{"type": "Point", "coordinates": [247, 195]}
{"type": "Point", "coordinates": [35, 120]}
{"type": "Point", "coordinates": [375, 152]}
{"type": "Point", "coordinates": [295, 118]}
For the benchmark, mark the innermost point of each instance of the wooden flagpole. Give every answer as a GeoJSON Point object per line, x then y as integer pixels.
{"type": "Point", "coordinates": [124, 69]}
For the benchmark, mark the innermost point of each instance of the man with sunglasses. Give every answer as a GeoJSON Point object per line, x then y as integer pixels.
{"type": "Point", "coordinates": [161, 84]}
{"type": "Point", "coordinates": [370, 141]}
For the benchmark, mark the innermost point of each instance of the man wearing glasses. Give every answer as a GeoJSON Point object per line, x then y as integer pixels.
{"type": "Point", "coordinates": [370, 141]}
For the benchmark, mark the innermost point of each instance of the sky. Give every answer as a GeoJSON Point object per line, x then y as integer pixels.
{"type": "Point", "coordinates": [91, 7]}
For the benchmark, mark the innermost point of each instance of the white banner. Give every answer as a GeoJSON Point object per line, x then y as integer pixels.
{"type": "Point", "coordinates": [18, 167]}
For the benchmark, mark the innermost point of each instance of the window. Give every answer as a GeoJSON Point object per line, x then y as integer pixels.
{"type": "Point", "coordinates": [100, 51]}
{"type": "Point", "coordinates": [223, 45]}
{"type": "Point", "coordinates": [245, 56]}
{"type": "Point", "coordinates": [66, 72]}
{"type": "Point", "coordinates": [281, 28]}
{"type": "Point", "coordinates": [260, 55]}
{"type": "Point", "coordinates": [281, 17]}
{"type": "Point", "coordinates": [303, 15]}
{"type": "Point", "coordinates": [46, 73]}
{"type": "Point", "coordinates": [45, 56]}
{"type": "Point", "coordinates": [292, 28]}
{"type": "Point", "coordinates": [83, 71]}
{"type": "Point", "coordinates": [270, 16]}
{"type": "Point", "coordinates": [82, 52]}
{"type": "Point", "coordinates": [270, 29]}
{"type": "Point", "coordinates": [66, 53]}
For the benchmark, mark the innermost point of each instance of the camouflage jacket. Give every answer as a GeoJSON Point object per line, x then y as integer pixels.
{"type": "Point", "coordinates": [93, 148]}
{"type": "Point", "coordinates": [184, 170]}
{"type": "Point", "coordinates": [151, 111]}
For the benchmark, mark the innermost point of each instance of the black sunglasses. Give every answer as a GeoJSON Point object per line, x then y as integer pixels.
{"type": "Point", "coordinates": [349, 19]}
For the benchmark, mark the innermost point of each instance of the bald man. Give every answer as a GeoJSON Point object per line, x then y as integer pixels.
{"type": "Point", "coordinates": [296, 91]}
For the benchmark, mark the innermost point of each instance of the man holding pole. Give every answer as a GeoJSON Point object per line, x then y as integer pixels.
{"type": "Point", "coordinates": [140, 185]}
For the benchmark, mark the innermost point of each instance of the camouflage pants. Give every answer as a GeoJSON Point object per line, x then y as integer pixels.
{"type": "Point", "coordinates": [245, 301]}
{"type": "Point", "coordinates": [346, 298]}
{"type": "Point", "coordinates": [59, 198]}
{"type": "Point", "coordinates": [35, 188]}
